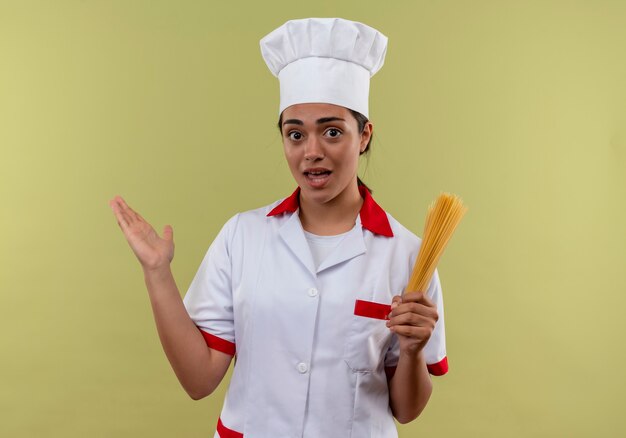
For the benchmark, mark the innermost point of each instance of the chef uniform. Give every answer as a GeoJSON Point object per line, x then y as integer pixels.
{"type": "Point", "coordinates": [309, 336]}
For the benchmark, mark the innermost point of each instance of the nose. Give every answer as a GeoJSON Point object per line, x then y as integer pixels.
{"type": "Point", "coordinates": [313, 150]}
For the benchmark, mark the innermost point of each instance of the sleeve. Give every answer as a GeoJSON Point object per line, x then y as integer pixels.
{"type": "Point", "coordinates": [209, 299]}
{"type": "Point", "coordinates": [435, 349]}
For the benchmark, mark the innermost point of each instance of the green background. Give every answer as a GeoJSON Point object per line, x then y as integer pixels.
{"type": "Point", "coordinates": [517, 106]}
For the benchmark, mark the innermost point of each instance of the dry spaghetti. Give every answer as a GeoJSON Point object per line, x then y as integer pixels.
{"type": "Point", "coordinates": [443, 217]}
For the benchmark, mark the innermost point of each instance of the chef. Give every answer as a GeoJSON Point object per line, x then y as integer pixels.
{"type": "Point", "coordinates": [306, 293]}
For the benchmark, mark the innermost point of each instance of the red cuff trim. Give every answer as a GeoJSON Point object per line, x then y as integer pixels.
{"type": "Point", "coordinates": [218, 344]}
{"type": "Point", "coordinates": [370, 309]}
{"type": "Point", "coordinates": [440, 368]}
{"type": "Point", "coordinates": [225, 432]}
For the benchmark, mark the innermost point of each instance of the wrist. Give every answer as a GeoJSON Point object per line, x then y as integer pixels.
{"type": "Point", "coordinates": [158, 273]}
{"type": "Point", "coordinates": [413, 355]}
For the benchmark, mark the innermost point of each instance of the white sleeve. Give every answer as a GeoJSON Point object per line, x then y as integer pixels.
{"type": "Point", "coordinates": [209, 299]}
{"type": "Point", "coordinates": [435, 349]}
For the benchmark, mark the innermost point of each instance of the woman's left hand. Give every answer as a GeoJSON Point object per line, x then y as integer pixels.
{"type": "Point", "coordinates": [413, 317]}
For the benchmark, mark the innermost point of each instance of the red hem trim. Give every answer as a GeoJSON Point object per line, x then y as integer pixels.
{"type": "Point", "coordinates": [373, 217]}
{"type": "Point", "coordinates": [440, 368]}
{"type": "Point", "coordinates": [370, 309]}
{"type": "Point", "coordinates": [218, 344]}
{"type": "Point", "coordinates": [225, 432]}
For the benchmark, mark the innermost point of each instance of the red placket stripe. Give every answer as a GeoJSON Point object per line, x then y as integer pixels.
{"type": "Point", "coordinates": [370, 309]}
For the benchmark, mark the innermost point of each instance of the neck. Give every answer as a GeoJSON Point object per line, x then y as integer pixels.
{"type": "Point", "coordinates": [332, 217]}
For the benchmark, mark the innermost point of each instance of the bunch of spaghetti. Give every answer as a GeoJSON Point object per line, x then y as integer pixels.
{"type": "Point", "coordinates": [443, 217]}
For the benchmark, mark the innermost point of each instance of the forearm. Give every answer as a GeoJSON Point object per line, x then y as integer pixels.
{"type": "Point", "coordinates": [198, 368]}
{"type": "Point", "coordinates": [410, 387]}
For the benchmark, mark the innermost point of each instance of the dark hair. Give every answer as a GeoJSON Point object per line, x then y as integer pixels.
{"type": "Point", "coordinates": [361, 121]}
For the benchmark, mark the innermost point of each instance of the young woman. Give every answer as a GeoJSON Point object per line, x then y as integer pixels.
{"type": "Point", "coordinates": [307, 292]}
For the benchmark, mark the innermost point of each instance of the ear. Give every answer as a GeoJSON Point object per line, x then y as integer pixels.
{"type": "Point", "coordinates": [366, 135]}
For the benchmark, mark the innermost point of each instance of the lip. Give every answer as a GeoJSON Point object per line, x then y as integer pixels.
{"type": "Point", "coordinates": [316, 170]}
{"type": "Point", "coordinates": [317, 181]}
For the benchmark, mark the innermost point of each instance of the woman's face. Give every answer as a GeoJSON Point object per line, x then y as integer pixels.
{"type": "Point", "coordinates": [322, 145]}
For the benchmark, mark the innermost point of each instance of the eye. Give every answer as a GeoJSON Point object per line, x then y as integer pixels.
{"type": "Point", "coordinates": [332, 133]}
{"type": "Point", "coordinates": [294, 135]}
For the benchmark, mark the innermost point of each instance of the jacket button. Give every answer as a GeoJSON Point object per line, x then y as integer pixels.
{"type": "Point", "coordinates": [302, 367]}
{"type": "Point", "coordinates": [312, 292]}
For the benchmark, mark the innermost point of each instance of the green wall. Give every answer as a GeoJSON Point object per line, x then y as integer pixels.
{"type": "Point", "coordinates": [517, 106]}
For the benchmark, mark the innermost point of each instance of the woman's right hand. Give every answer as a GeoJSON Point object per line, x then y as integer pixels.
{"type": "Point", "coordinates": [152, 251]}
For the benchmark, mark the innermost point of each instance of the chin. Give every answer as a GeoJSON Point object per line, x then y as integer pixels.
{"type": "Point", "coordinates": [324, 195]}
{"type": "Point", "coordinates": [316, 194]}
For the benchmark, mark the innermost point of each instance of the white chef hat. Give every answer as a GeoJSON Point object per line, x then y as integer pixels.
{"type": "Point", "coordinates": [325, 60]}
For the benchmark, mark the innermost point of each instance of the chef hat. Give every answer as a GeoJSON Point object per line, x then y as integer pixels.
{"type": "Point", "coordinates": [325, 60]}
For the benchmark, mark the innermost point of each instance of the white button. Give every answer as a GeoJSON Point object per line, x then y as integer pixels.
{"type": "Point", "coordinates": [302, 367]}
{"type": "Point", "coordinates": [312, 292]}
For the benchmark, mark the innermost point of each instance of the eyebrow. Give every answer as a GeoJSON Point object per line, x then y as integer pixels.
{"type": "Point", "coordinates": [318, 121]}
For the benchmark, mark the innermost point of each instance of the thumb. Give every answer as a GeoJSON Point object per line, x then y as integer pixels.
{"type": "Point", "coordinates": [396, 301]}
{"type": "Point", "coordinates": [168, 232]}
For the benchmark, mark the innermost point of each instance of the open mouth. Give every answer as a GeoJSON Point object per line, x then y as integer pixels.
{"type": "Point", "coordinates": [317, 177]}
{"type": "Point", "coordinates": [317, 173]}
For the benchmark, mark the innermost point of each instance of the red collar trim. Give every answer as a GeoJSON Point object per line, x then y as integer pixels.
{"type": "Point", "coordinates": [373, 217]}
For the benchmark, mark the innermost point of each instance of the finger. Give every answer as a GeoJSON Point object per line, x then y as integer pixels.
{"type": "Point", "coordinates": [412, 296]}
{"type": "Point", "coordinates": [412, 332]}
{"type": "Point", "coordinates": [137, 216]}
{"type": "Point", "coordinates": [417, 308]}
{"type": "Point", "coordinates": [119, 201]}
{"type": "Point", "coordinates": [396, 301]}
{"type": "Point", "coordinates": [122, 220]}
{"type": "Point", "coordinates": [131, 215]}
{"type": "Point", "coordinates": [168, 232]}
{"type": "Point", "coordinates": [412, 319]}
{"type": "Point", "coordinates": [119, 207]}
{"type": "Point", "coordinates": [418, 297]}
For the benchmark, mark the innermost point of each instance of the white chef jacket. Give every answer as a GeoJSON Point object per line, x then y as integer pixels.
{"type": "Point", "coordinates": [311, 344]}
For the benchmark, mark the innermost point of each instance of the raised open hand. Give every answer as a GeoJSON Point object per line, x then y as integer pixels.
{"type": "Point", "coordinates": [152, 251]}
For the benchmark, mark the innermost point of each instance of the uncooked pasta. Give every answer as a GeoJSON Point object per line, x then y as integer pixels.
{"type": "Point", "coordinates": [443, 217]}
